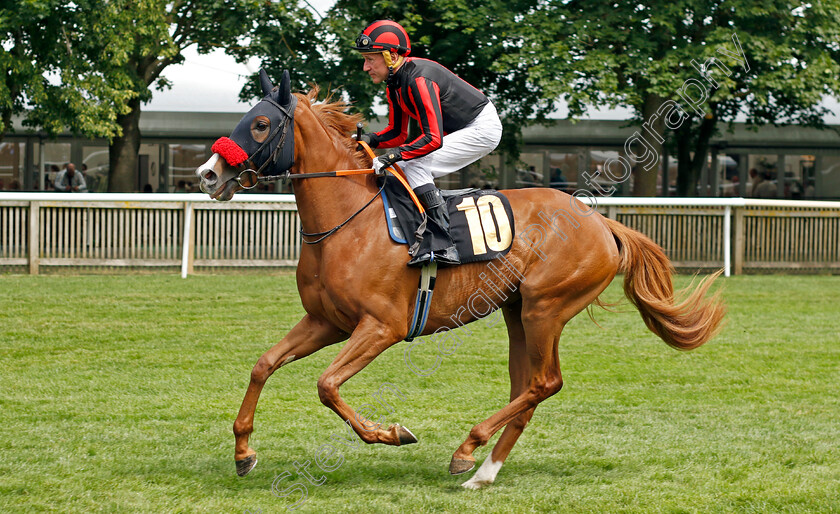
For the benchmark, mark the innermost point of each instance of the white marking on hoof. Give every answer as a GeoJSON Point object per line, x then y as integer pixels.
{"type": "Point", "coordinates": [407, 430]}
{"type": "Point", "coordinates": [485, 475]}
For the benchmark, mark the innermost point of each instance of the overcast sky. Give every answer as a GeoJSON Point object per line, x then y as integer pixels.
{"type": "Point", "coordinates": [211, 82]}
{"type": "Point", "coordinates": [208, 82]}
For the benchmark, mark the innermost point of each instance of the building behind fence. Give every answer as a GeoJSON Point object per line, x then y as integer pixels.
{"type": "Point", "coordinates": [793, 162]}
{"type": "Point", "coordinates": [40, 232]}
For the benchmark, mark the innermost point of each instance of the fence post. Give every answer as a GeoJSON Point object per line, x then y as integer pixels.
{"type": "Point", "coordinates": [34, 237]}
{"type": "Point", "coordinates": [188, 254]}
{"type": "Point", "coordinates": [738, 256]}
{"type": "Point", "coordinates": [727, 240]}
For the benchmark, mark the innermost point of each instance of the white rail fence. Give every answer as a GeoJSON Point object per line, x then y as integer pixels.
{"type": "Point", "coordinates": [50, 230]}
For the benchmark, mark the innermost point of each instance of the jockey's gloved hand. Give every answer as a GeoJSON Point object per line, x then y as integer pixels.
{"type": "Point", "coordinates": [365, 138]}
{"type": "Point", "coordinates": [385, 161]}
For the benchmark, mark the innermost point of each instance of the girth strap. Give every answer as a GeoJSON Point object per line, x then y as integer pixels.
{"type": "Point", "coordinates": [428, 274]}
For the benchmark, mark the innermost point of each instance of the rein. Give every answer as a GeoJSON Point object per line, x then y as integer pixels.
{"type": "Point", "coordinates": [253, 177]}
{"type": "Point", "coordinates": [339, 173]}
{"type": "Point", "coordinates": [333, 230]}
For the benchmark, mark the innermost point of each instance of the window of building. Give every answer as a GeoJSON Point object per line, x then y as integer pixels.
{"type": "Point", "coordinates": [529, 170]}
{"type": "Point", "coordinates": [827, 179]}
{"type": "Point", "coordinates": [763, 171]}
{"type": "Point", "coordinates": [615, 178]}
{"type": "Point", "coordinates": [729, 182]}
{"type": "Point", "coordinates": [183, 161]}
{"type": "Point", "coordinates": [563, 170]}
{"type": "Point", "coordinates": [11, 166]}
{"type": "Point", "coordinates": [798, 173]}
{"type": "Point", "coordinates": [56, 156]}
{"type": "Point", "coordinates": [482, 174]}
{"type": "Point", "coordinates": [673, 168]}
{"type": "Point", "coordinates": [95, 167]}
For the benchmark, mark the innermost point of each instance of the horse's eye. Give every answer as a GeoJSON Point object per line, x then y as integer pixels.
{"type": "Point", "coordinates": [260, 127]}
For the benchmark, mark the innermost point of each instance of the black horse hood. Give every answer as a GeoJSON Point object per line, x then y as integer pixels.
{"type": "Point", "coordinates": [274, 155]}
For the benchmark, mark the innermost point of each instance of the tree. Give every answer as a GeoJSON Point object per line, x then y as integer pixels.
{"type": "Point", "coordinates": [467, 36]}
{"type": "Point", "coordinates": [46, 79]}
{"type": "Point", "coordinates": [287, 39]}
{"type": "Point", "coordinates": [595, 54]}
{"type": "Point", "coordinates": [791, 56]}
{"type": "Point", "coordinates": [772, 63]}
{"type": "Point", "coordinates": [133, 41]}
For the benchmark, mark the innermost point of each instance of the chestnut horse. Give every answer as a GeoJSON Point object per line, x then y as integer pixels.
{"type": "Point", "coordinates": [355, 285]}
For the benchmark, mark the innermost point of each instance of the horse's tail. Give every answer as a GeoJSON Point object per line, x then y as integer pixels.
{"type": "Point", "coordinates": [685, 321]}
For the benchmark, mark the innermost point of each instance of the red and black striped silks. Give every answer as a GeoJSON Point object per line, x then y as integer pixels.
{"type": "Point", "coordinates": [439, 100]}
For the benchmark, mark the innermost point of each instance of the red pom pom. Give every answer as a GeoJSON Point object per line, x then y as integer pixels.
{"type": "Point", "coordinates": [232, 152]}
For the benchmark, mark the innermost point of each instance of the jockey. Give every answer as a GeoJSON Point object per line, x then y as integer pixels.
{"type": "Point", "coordinates": [458, 124]}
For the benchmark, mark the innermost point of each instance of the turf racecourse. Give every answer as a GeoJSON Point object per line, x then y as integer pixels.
{"type": "Point", "coordinates": [119, 393]}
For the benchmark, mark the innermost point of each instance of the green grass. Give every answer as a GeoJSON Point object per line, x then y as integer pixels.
{"type": "Point", "coordinates": [119, 393]}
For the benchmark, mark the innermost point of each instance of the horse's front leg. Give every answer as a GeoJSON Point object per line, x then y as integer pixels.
{"type": "Point", "coordinates": [305, 338]}
{"type": "Point", "coordinates": [370, 338]}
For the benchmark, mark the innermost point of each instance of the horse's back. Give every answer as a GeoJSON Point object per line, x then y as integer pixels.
{"type": "Point", "coordinates": [560, 241]}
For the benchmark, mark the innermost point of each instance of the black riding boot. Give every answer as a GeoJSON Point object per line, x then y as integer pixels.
{"type": "Point", "coordinates": [443, 248]}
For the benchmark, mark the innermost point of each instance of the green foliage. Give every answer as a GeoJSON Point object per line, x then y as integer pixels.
{"type": "Point", "coordinates": [285, 37]}
{"type": "Point", "coordinates": [466, 36]}
{"type": "Point", "coordinates": [89, 65]}
{"type": "Point", "coordinates": [636, 54]}
{"type": "Point", "coordinates": [527, 54]}
{"type": "Point", "coordinates": [48, 77]}
{"type": "Point", "coordinates": [85, 64]}
{"type": "Point", "coordinates": [137, 39]}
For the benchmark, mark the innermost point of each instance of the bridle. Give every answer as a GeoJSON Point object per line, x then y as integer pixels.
{"type": "Point", "coordinates": [254, 177]}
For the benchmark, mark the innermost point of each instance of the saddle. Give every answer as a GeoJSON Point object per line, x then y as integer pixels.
{"type": "Point", "coordinates": [481, 222]}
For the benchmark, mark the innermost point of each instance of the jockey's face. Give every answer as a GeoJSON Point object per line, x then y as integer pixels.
{"type": "Point", "coordinates": [375, 67]}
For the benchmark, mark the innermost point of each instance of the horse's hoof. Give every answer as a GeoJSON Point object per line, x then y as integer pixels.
{"type": "Point", "coordinates": [405, 435]}
{"type": "Point", "coordinates": [459, 466]}
{"type": "Point", "coordinates": [244, 466]}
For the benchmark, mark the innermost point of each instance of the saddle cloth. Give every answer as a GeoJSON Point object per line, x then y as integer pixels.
{"type": "Point", "coordinates": [480, 220]}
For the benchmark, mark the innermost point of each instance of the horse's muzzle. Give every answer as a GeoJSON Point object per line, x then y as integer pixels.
{"type": "Point", "coordinates": [207, 175]}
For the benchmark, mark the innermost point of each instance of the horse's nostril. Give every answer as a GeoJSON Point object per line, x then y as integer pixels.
{"type": "Point", "coordinates": [209, 176]}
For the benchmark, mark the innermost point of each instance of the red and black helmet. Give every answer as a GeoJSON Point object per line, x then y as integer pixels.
{"type": "Point", "coordinates": [382, 36]}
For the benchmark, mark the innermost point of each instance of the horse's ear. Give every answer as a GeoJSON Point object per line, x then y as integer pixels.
{"type": "Point", "coordinates": [265, 82]}
{"type": "Point", "coordinates": [284, 95]}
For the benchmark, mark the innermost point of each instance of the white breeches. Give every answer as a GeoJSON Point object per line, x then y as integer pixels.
{"type": "Point", "coordinates": [459, 149]}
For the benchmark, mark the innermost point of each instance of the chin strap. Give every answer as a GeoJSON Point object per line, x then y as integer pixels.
{"type": "Point", "coordinates": [392, 65]}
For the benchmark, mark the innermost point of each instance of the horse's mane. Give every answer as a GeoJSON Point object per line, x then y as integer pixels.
{"type": "Point", "coordinates": [333, 115]}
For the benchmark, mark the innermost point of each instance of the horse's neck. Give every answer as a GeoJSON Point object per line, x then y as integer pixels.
{"type": "Point", "coordinates": [325, 202]}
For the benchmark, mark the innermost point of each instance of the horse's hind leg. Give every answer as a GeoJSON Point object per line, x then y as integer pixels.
{"type": "Point", "coordinates": [517, 367]}
{"type": "Point", "coordinates": [541, 369]}
{"type": "Point", "coordinates": [305, 338]}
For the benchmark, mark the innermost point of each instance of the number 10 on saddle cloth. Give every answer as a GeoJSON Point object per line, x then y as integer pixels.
{"type": "Point", "coordinates": [481, 222]}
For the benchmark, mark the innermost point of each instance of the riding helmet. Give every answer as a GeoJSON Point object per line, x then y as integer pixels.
{"type": "Point", "coordinates": [382, 36]}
